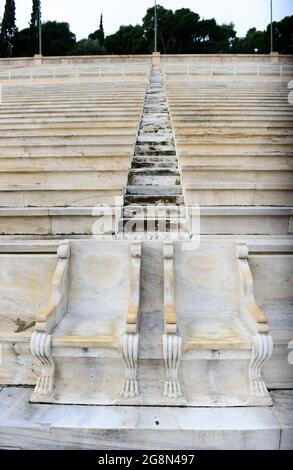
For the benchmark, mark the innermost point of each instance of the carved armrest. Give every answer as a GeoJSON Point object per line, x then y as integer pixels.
{"type": "Point", "coordinates": [170, 320]}
{"type": "Point", "coordinates": [50, 316]}
{"type": "Point", "coordinates": [134, 302]}
{"type": "Point", "coordinates": [253, 316]}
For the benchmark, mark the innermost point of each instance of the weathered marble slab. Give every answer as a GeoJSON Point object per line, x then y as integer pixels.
{"type": "Point", "coordinates": [283, 410]}
{"type": "Point", "coordinates": [273, 283]}
{"type": "Point", "coordinates": [99, 289]}
{"type": "Point", "coordinates": [25, 288]}
{"type": "Point", "coordinates": [27, 426]}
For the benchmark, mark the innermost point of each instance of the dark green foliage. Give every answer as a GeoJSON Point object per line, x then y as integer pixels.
{"type": "Point", "coordinates": [254, 42]}
{"type": "Point", "coordinates": [260, 42]}
{"type": "Point", "coordinates": [182, 32]}
{"type": "Point", "coordinates": [34, 24]}
{"type": "Point", "coordinates": [99, 34]}
{"type": "Point", "coordinates": [185, 24]}
{"type": "Point", "coordinates": [57, 39]}
{"type": "Point", "coordinates": [128, 40]}
{"type": "Point", "coordinates": [88, 47]}
{"type": "Point", "coordinates": [22, 43]}
{"type": "Point", "coordinates": [35, 14]}
{"type": "Point", "coordinates": [283, 35]}
{"type": "Point", "coordinates": [165, 28]}
{"type": "Point", "coordinates": [8, 29]}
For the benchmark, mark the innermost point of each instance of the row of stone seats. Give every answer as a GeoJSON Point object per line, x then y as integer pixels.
{"type": "Point", "coordinates": [89, 70]}
{"type": "Point", "coordinates": [204, 342]}
{"type": "Point", "coordinates": [67, 143]}
{"type": "Point", "coordinates": [234, 141]}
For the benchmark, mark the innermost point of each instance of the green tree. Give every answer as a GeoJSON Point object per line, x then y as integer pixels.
{"type": "Point", "coordinates": [88, 47]}
{"type": "Point", "coordinates": [8, 29]}
{"type": "Point", "coordinates": [34, 23]}
{"type": "Point", "coordinates": [127, 40]}
{"type": "Point", "coordinates": [254, 42]}
{"type": "Point", "coordinates": [259, 41]}
{"type": "Point", "coordinates": [22, 43]}
{"type": "Point", "coordinates": [100, 33]}
{"type": "Point", "coordinates": [165, 28]}
{"type": "Point", "coordinates": [182, 32]}
{"type": "Point", "coordinates": [282, 35]}
{"type": "Point", "coordinates": [57, 38]}
{"type": "Point", "coordinates": [213, 38]}
{"type": "Point", "coordinates": [185, 26]}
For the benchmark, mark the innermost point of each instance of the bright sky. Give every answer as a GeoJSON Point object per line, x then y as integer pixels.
{"type": "Point", "coordinates": [83, 16]}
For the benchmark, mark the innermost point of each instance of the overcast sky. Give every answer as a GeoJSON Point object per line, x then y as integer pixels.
{"type": "Point", "coordinates": [83, 15]}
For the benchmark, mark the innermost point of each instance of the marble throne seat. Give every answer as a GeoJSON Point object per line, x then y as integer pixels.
{"type": "Point", "coordinates": [216, 337]}
{"type": "Point", "coordinates": [86, 339]}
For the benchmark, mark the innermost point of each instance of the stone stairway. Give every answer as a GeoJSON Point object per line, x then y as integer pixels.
{"type": "Point", "coordinates": [153, 202]}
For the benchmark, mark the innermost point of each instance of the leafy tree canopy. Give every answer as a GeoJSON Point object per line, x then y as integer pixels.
{"type": "Point", "coordinates": [57, 38]}
{"type": "Point", "coordinates": [88, 47]}
{"type": "Point", "coordinates": [128, 40]}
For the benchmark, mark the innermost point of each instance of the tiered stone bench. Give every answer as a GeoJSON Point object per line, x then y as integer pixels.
{"type": "Point", "coordinates": [234, 142]}
{"type": "Point", "coordinates": [64, 145]}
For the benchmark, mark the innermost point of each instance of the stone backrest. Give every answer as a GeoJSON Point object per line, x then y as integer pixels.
{"type": "Point", "coordinates": [99, 284]}
{"type": "Point", "coordinates": [25, 287]}
{"type": "Point", "coordinates": [205, 281]}
{"type": "Point", "coordinates": [273, 280]}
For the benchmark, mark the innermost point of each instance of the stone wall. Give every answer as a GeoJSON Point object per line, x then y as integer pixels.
{"type": "Point", "coordinates": [166, 58]}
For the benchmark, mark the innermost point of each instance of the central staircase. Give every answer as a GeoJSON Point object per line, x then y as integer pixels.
{"type": "Point", "coordinates": [153, 201]}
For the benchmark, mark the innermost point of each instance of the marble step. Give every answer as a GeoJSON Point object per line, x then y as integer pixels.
{"type": "Point", "coordinates": [154, 153]}
{"type": "Point", "coordinates": [155, 150]}
{"type": "Point", "coordinates": [153, 236]}
{"type": "Point", "coordinates": [151, 225]}
{"type": "Point", "coordinates": [153, 180]}
{"type": "Point", "coordinates": [154, 89]}
{"type": "Point", "coordinates": [155, 109]}
{"type": "Point", "coordinates": [170, 190]}
{"type": "Point", "coordinates": [155, 98]}
{"type": "Point", "coordinates": [155, 171]}
{"type": "Point", "coordinates": [157, 119]}
{"type": "Point", "coordinates": [155, 176]}
{"type": "Point", "coordinates": [167, 211]}
{"type": "Point", "coordinates": [153, 199]}
{"type": "Point", "coordinates": [122, 427]}
{"type": "Point", "coordinates": [158, 93]}
{"type": "Point", "coordinates": [155, 139]}
{"type": "Point", "coordinates": [155, 104]}
{"type": "Point", "coordinates": [156, 128]}
{"type": "Point", "coordinates": [155, 131]}
{"type": "Point", "coordinates": [153, 125]}
{"type": "Point", "coordinates": [156, 161]}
